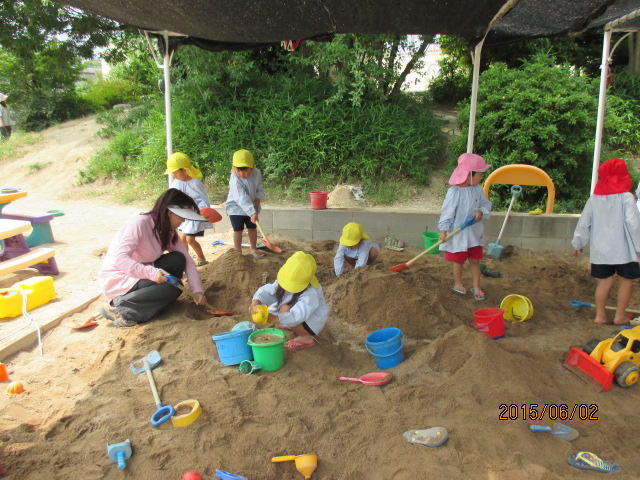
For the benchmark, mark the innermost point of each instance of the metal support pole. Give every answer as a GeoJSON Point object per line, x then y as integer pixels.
{"type": "Point", "coordinates": [474, 95]}
{"type": "Point", "coordinates": [604, 72]}
{"type": "Point", "coordinates": [167, 100]}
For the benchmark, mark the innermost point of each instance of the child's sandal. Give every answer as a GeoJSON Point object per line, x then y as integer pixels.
{"type": "Point", "coordinates": [477, 294]}
{"type": "Point", "coordinates": [394, 244]}
{"type": "Point", "coordinates": [459, 289]}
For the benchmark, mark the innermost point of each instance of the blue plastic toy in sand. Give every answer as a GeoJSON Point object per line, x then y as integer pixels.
{"type": "Point", "coordinates": [232, 346]}
{"type": "Point", "coordinates": [386, 346]}
{"type": "Point", "coordinates": [222, 475]}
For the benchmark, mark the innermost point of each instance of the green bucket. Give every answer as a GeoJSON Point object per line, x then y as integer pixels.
{"type": "Point", "coordinates": [430, 239]}
{"type": "Point", "coordinates": [269, 355]}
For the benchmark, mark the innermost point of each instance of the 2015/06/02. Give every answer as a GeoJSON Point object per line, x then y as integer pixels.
{"type": "Point", "coordinates": [553, 411]}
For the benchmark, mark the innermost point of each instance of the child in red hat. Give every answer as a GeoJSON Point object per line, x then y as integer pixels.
{"type": "Point", "coordinates": [611, 222]}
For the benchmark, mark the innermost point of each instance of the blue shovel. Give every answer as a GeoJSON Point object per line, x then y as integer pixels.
{"type": "Point", "coordinates": [496, 250]}
{"type": "Point", "coordinates": [559, 430]}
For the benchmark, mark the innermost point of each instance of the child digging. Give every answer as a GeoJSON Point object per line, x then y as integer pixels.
{"type": "Point", "coordinates": [295, 300]}
{"type": "Point", "coordinates": [355, 248]}
{"type": "Point", "coordinates": [465, 198]}
{"type": "Point", "coordinates": [187, 180]}
{"type": "Point", "coordinates": [611, 222]}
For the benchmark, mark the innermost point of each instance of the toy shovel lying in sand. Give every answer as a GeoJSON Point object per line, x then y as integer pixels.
{"type": "Point", "coordinates": [403, 266]}
{"type": "Point", "coordinates": [559, 430]}
{"type": "Point", "coordinates": [211, 309]}
{"type": "Point", "coordinates": [375, 378]}
{"type": "Point", "coordinates": [92, 321]}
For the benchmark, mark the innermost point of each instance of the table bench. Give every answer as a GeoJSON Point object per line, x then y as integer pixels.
{"type": "Point", "coordinates": [41, 227]}
{"type": "Point", "coordinates": [16, 254]}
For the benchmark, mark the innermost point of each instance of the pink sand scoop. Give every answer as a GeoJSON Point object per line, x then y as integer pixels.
{"type": "Point", "coordinates": [375, 378]}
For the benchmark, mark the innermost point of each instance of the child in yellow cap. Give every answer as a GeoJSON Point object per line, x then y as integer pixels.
{"type": "Point", "coordinates": [355, 248]}
{"type": "Point", "coordinates": [243, 201]}
{"type": "Point", "coordinates": [187, 180]}
{"type": "Point", "coordinates": [295, 300]}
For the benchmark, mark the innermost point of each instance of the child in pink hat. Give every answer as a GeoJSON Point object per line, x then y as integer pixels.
{"type": "Point", "coordinates": [465, 198]}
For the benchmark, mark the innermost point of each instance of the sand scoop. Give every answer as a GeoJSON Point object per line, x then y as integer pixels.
{"type": "Point", "coordinates": [403, 266]}
{"type": "Point", "coordinates": [266, 241]}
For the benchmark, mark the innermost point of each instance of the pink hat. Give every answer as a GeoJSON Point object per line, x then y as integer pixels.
{"type": "Point", "coordinates": [467, 162]}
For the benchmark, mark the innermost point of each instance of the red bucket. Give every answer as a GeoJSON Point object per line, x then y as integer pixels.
{"type": "Point", "coordinates": [490, 321]}
{"type": "Point", "coordinates": [319, 200]}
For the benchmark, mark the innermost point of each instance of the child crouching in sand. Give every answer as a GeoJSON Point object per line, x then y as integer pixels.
{"type": "Point", "coordinates": [295, 300]}
{"type": "Point", "coordinates": [611, 222]}
{"type": "Point", "coordinates": [355, 248]}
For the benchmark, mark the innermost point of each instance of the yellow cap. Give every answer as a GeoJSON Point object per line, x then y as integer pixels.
{"type": "Point", "coordinates": [243, 158]}
{"type": "Point", "coordinates": [298, 272]}
{"type": "Point", "coordinates": [352, 233]}
{"type": "Point", "coordinates": [179, 160]}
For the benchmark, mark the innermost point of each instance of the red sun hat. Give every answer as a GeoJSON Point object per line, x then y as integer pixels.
{"type": "Point", "coordinates": [613, 178]}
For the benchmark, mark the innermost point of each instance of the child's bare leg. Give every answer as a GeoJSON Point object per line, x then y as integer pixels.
{"type": "Point", "coordinates": [253, 240]}
{"type": "Point", "coordinates": [350, 261]}
{"type": "Point", "coordinates": [624, 295]}
{"type": "Point", "coordinates": [457, 273]}
{"type": "Point", "coordinates": [373, 254]}
{"type": "Point", "coordinates": [602, 295]}
{"type": "Point", "coordinates": [474, 264]}
{"type": "Point", "coordinates": [193, 243]}
{"type": "Point", "coordinates": [303, 335]}
{"type": "Point", "coordinates": [237, 240]}
{"type": "Point", "coordinates": [185, 240]}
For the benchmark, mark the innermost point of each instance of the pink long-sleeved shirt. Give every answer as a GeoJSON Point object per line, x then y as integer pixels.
{"type": "Point", "coordinates": [131, 255]}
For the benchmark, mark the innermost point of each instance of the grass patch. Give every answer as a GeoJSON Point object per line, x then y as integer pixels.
{"type": "Point", "coordinates": [36, 167]}
{"type": "Point", "coordinates": [14, 147]}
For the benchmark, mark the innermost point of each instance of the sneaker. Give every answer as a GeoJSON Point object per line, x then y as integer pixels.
{"type": "Point", "coordinates": [112, 314]}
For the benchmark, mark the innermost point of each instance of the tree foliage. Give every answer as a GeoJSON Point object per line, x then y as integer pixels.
{"type": "Point", "coordinates": [40, 58]}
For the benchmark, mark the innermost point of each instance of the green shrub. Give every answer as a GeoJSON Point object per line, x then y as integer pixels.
{"type": "Point", "coordinates": [107, 93]}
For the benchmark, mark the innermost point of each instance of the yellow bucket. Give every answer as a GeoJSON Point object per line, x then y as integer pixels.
{"type": "Point", "coordinates": [517, 308]}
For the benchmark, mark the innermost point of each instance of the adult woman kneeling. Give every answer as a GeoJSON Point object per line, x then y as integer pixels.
{"type": "Point", "coordinates": [132, 273]}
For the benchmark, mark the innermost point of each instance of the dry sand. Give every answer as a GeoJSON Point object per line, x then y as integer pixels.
{"type": "Point", "coordinates": [81, 395]}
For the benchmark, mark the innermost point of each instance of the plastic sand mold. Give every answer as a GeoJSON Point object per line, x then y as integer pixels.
{"type": "Point", "coordinates": [430, 437]}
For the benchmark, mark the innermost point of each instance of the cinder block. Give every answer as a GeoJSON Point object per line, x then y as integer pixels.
{"type": "Point", "coordinates": [545, 226]}
{"type": "Point", "coordinates": [541, 244]}
{"type": "Point", "coordinates": [291, 219]}
{"type": "Point", "coordinates": [331, 220]}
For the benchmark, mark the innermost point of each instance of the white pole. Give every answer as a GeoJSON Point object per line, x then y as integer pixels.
{"type": "Point", "coordinates": [474, 95]}
{"type": "Point", "coordinates": [167, 100]}
{"type": "Point", "coordinates": [604, 72]}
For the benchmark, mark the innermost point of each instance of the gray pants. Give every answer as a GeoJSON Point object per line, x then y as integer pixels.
{"type": "Point", "coordinates": [147, 298]}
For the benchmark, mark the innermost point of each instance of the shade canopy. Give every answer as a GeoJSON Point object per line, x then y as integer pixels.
{"type": "Point", "coordinates": [242, 24]}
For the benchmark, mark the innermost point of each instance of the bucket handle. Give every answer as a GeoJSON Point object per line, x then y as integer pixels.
{"type": "Point", "coordinates": [388, 354]}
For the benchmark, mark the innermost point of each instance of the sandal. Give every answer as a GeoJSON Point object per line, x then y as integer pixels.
{"type": "Point", "coordinates": [487, 272]}
{"type": "Point", "coordinates": [459, 289]}
{"type": "Point", "coordinates": [394, 244]}
{"type": "Point", "coordinates": [297, 344]}
{"type": "Point", "coordinates": [201, 262]}
{"type": "Point", "coordinates": [590, 461]}
{"type": "Point", "coordinates": [477, 294]}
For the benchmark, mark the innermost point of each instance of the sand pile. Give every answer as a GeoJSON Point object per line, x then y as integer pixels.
{"type": "Point", "coordinates": [81, 395]}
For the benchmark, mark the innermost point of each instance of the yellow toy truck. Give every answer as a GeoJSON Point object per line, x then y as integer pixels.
{"type": "Point", "coordinates": [618, 355]}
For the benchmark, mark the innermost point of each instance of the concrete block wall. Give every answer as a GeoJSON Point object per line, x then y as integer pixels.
{"type": "Point", "coordinates": [532, 232]}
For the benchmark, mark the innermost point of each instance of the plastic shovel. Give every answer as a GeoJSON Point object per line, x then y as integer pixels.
{"type": "Point", "coordinates": [577, 303]}
{"type": "Point", "coordinates": [559, 430]}
{"type": "Point", "coordinates": [496, 250]}
{"type": "Point", "coordinates": [266, 241]}
{"type": "Point", "coordinates": [152, 358]}
{"type": "Point", "coordinates": [375, 378]}
{"type": "Point", "coordinates": [211, 309]}
{"type": "Point", "coordinates": [403, 266]}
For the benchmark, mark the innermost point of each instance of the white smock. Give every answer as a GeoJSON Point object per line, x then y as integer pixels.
{"type": "Point", "coordinates": [360, 254]}
{"type": "Point", "coordinates": [196, 190]}
{"type": "Point", "coordinates": [242, 193]}
{"type": "Point", "coordinates": [459, 204]}
{"type": "Point", "coordinates": [311, 306]}
{"type": "Point", "coordinates": [612, 224]}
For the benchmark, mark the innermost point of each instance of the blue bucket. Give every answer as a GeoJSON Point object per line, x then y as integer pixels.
{"type": "Point", "coordinates": [232, 346]}
{"type": "Point", "coordinates": [386, 347]}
